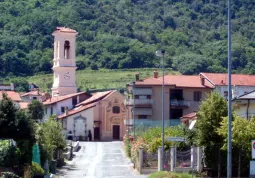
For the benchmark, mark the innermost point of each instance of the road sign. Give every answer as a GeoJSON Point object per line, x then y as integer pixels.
{"type": "Point", "coordinates": [253, 149]}
{"type": "Point", "coordinates": [175, 139]}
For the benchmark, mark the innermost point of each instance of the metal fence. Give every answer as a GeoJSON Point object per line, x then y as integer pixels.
{"type": "Point", "coordinates": [150, 160]}
{"type": "Point", "coordinates": [183, 158]}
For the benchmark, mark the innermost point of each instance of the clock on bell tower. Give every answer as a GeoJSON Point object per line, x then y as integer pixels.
{"type": "Point", "coordinates": [64, 65]}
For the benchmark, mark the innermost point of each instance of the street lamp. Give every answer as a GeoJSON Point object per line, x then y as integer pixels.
{"type": "Point", "coordinates": [161, 53]}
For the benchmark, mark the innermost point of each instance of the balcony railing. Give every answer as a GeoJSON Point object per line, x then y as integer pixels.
{"type": "Point", "coordinates": [149, 123]}
{"type": "Point", "coordinates": [138, 102]}
{"type": "Point", "coordinates": [179, 103]}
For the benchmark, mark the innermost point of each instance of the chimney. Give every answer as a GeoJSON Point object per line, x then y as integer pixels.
{"type": "Point", "coordinates": [137, 77]}
{"type": "Point", "coordinates": [66, 111]}
{"type": "Point", "coordinates": [202, 80]}
{"type": "Point", "coordinates": [155, 74]}
{"type": "Point", "coordinates": [222, 81]}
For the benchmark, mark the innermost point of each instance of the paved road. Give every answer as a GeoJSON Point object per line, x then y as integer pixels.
{"type": "Point", "coordinates": [99, 159]}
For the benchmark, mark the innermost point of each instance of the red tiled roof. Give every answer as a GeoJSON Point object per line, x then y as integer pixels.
{"type": "Point", "coordinates": [189, 81]}
{"type": "Point", "coordinates": [236, 79]}
{"type": "Point", "coordinates": [97, 96]}
{"type": "Point", "coordinates": [61, 98]}
{"type": "Point", "coordinates": [14, 96]}
{"type": "Point", "coordinates": [77, 110]}
{"type": "Point", "coordinates": [189, 116]}
{"type": "Point", "coordinates": [34, 93]}
{"type": "Point", "coordinates": [23, 105]}
{"type": "Point", "coordinates": [64, 29]}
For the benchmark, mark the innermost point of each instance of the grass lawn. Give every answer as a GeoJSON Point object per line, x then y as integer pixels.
{"type": "Point", "coordinates": [98, 80]}
{"type": "Point", "coordinates": [164, 174]}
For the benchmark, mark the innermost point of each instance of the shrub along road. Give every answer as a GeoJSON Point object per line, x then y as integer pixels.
{"type": "Point", "coordinates": [99, 159]}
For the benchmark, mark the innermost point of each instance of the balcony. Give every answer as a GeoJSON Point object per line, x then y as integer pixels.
{"type": "Point", "coordinates": [139, 102]}
{"type": "Point", "coordinates": [144, 124]}
{"type": "Point", "coordinates": [179, 103]}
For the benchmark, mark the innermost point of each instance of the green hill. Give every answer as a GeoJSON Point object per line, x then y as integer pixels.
{"type": "Point", "coordinates": [94, 80]}
{"type": "Point", "coordinates": [118, 34]}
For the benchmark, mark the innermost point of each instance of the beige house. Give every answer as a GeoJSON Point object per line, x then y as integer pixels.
{"type": "Point", "coordinates": [103, 114]}
{"type": "Point", "coordinates": [182, 95]}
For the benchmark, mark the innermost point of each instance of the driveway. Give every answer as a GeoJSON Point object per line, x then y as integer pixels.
{"type": "Point", "coordinates": [99, 159]}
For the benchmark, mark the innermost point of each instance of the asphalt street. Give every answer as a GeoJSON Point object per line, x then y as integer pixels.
{"type": "Point", "coordinates": [99, 159]}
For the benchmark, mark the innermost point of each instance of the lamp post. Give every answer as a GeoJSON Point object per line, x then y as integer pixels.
{"type": "Point", "coordinates": [134, 108]}
{"type": "Point", "coordinates": [161, 53]}
{"type": "Point", "coordinates": [229, 163]}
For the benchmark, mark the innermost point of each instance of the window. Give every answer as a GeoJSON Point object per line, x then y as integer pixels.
{"type": "Point", "coordinates": [51, 111]}
{"type": "Point", "coordinates": [46, 109]}
{"type": "Point", "coordinates": [115, 109]}
{"type": "Point", "coordinates": [67, 49]}
{"type": "Point", "coordinates": [142, 116]}
{"type": "Point", "coordinates": [74, 100]}
{"type": "Point", "coordinates": [34, 98]}
{"type": "Point", "coordinates": [62, 109]}
{"type": "Point", "coordinates": [225, 93]}
{"type": "Point", "coordinates": [197, 95]}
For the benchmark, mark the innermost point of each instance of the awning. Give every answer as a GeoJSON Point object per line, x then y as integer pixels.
{"type": "Point", "coordinates": [143, 111]}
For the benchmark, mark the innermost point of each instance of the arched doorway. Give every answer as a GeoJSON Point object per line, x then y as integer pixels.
{"type": "Point", "coordinates": [115, 132]}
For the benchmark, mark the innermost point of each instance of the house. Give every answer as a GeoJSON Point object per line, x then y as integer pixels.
{"type": "Point", "coordinates": [7, 87]}
{"type": "Point", "coordinates": [244, 105]}
{"type": "Point", "coordinates": [58, 104]}
{"type": "Point", "coordinates": [103, 114]}
{"type": "Point", "coordinates": [241, 83]}
{"type": "Point", "coordinates": [35, 95]}
{"type": "Point", "coordinates": [14, 96]}
{"type": "Point", "coordinates": [182, 95]}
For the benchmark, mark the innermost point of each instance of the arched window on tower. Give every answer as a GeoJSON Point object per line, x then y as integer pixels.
{"type": "Point", "coordinates": [67, 49]}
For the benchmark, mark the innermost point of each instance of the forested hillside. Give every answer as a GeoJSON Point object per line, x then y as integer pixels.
{"type": "Point", "coordinates": [125, 34]}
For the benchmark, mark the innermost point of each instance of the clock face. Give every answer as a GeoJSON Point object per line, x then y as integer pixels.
{"type": "Point", "coordinates": [67, 76]}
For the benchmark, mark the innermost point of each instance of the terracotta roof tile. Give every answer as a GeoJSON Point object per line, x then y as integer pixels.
{"type": "Point", "coordinates": [189, 116]}
{"type": "Point", "coordinates": [14, 96]}
{"type": "Point", "coordinates": [23, 105]}
{"type": "Point", "coordinates": [237, 79]}
{"type": "Point", "coordinates": [97, 96]}
{"type": "Point", "coordinates": [34, 93]}
{"type": "Point", "coordinates": [189, 81]}
{"type": "Point", "coordinates": [61, 98]}
{"type": "Point", "coordinates": [64, 29]}
{"type": "Point", "coordinates": [77, 110]}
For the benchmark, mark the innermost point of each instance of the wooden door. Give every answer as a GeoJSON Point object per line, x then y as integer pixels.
{"type": "Point", "coordinates": [96, 133]}
{"type": "Point", "coordinates": [115, 132]}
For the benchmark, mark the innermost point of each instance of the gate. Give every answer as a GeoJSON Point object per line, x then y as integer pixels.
{"type": "Point", "coordinates": [183, 159]}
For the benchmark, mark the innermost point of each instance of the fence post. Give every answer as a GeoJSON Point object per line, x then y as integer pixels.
{"type": "Point", "coordinates": [172, 158]}
{"type": "Point", "coordinates": [160, 164]}
{"type": "Point", "coordinates": [199, 159]}
{"type": "Point", "coordinates": [140, 160]}
{"type": "Point", "coordinates": [192, 157]}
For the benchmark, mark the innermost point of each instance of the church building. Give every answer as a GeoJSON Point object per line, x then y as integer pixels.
{"type": "Point", "coordinates": [100, 113]}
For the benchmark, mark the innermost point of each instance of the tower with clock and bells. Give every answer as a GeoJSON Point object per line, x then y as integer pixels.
{"type": "Point", "coordinates": [64, 63]}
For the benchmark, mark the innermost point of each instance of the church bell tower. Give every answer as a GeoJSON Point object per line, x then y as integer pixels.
{"type": "Point", "coordinates": [64, 65]}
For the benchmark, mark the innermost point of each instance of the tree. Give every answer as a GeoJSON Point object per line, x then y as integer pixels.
{"type": "Point", "coordinates": [50, 138]}
{"type": "Point", "coordinates": [36, 110]}
{"type": "Point", "coordinates": [20, 84]}
{"type": "Point", "coordinates": [242, 134]}
{"type": "Point", "coordinates": [210, 115]}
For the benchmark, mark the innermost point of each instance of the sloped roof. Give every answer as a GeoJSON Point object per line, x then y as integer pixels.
{"type": "Point", "coordinates": [246, 96]}
{"type": "Point", "coordinates": [221, 79]}
{"type": "Point", "coordinates": [34, 93]}
{"type": "Point", "coordinates": [77, 110]}
{"type": "Point", "coordinates": [189, 116]}
{"type": "Point", "coordinates": [61, 98]}
{"type": "Point", "coordinates": [64, 29]}
{"type": "Point", "coordinates": [95, 97]}
{"type": "Point", "coordinates": [23, 105]}
{"type": "Point", "coordinates": [189, 81]}
{"type": "Point", "coordinates": [14, 96]}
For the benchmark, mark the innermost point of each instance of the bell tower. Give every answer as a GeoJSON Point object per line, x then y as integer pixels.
{"type": "Point", "coordinates": [64, 64]}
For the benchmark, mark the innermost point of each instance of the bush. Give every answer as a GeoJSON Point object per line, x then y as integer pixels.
{"type": "Point", "coordinates": [36, 169]}
{"type": "Point", "coordinates": [9, 175]}
{"type": "Point", "coordinates": [164, 174]}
